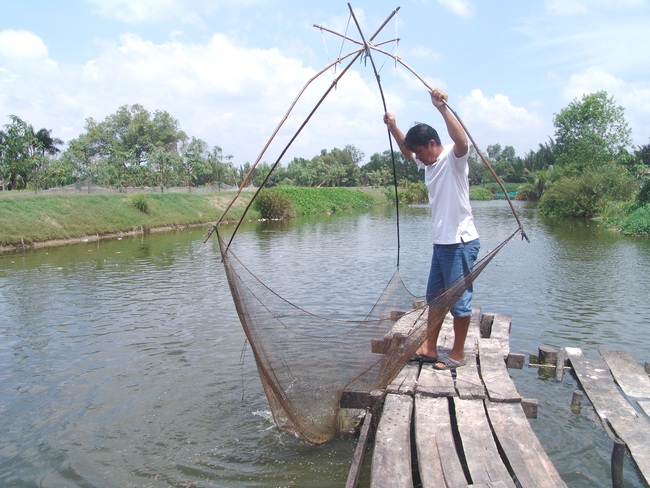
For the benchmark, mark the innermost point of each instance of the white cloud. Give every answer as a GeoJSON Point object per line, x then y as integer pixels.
{"type": "Point", "coordinates": [565, 8]}
{"type": "Point", "coordinates": [462, 8]}
{"type": "Point", "coordinates": [218, 90]}
{"type": "Point", "coordinates": [497, 120]}
{"type": "Point", "coordinates": [568, 8]}
{"type": "Point", "coordinates": [21, 45]}
{"type": "Point", "coordinates": [156, 11]}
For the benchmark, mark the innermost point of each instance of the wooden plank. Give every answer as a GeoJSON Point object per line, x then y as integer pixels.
{"type": "Point", "coordinates": [492, 484]}
{"type": "Point", "coordinates": [359, 452]}
{"type": "Point", "coordinates": [597, 382]}
{"type": "Point", "coordinates": [401, 329]}
{"type": "Point", "coordinates": [501, 332]}
{"type": "Point", "coordinates": [645, 406]}
{"type": "Point", "coordinates": [474, 332]}
{"type": "Point", "coordinates": [438, 461]}
{"type": "Point", "coordinates": [494, 373]}
{"type": "Point", "coordinates": [435, 383]}
{"type": "Point", "coordinates": [629, 375]}
{"type": "Point", "coordinates": [446, 336]}
{"type": "Point", "coordinates": [406, 380]}
{"type": "Point", "coordinates": [468, 381]}
{"type": "Point", "coordinates": [481, 453]}
{"type": "Point", "coordinates": [391, 459]}
{"type": "Point", "coordinates": [526, 456]}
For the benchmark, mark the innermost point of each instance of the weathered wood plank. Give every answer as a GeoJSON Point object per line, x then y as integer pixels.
{"type": "Point", "coordinates": [435, 383]}
{"type": "Point", "coordinates": [645, 406]}
{"type": "Point", "coordinates": [483, 459]}
{"type": "Point", "coordinates": [359, 452]}
{"type": "Point", "coordinates": [629, 375]}
{"type": "Point", "coordinates": [468, 382]}
{"type": "Point", "coordinates": [391, 460]}
{"type": "Point", "coordinates": [406, 380]}
{"type": "Point", "coordinates": [494, 373]}
{"type": "Point", "coordinates": [492, 484]}
{"type": "Point", "coordinates": [438, 461]}
{"type": "Point", "coordinates": [446, 336]}
{"type": "Point", "coordinates": [474, 332]}
{"type": "Point", "coordinates": [401, 329]}
{"type": "Point", "coordinates": [501, 332]}
{"type": "Point", "coordinates": [597, 382]}
{"type": "Point", "coordinates": [526, 456]}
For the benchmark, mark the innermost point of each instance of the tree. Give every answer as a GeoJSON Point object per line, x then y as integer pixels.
{"type": "Point", "coordinates": [120, 149]}
{"type": "Point", "coordinates": [18, 152]}
{"type": "Point", "coordinates": [590, 132]}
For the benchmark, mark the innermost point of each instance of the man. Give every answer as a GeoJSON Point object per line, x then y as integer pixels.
{"type": "Point", "coordinates": [456, 242]}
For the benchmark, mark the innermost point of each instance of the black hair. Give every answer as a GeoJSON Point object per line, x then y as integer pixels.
{"type": "Point", "coordinates": [420, 135]}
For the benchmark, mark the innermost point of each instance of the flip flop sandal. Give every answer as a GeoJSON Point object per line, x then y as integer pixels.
{"type": "Point", "coordinates": [448, 363]}
{"type": "Point", "coordinates": [424, 359]}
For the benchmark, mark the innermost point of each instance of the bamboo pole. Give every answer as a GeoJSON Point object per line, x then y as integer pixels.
{"type": "Point", "coordinates": [356, 54]}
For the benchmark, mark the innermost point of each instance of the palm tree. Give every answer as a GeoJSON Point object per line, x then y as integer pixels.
{"type": "Point", "coordinates": [44, 143]}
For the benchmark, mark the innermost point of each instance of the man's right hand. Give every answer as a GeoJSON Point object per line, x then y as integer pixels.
{"type": "Point", "coordinates": [389, 119]}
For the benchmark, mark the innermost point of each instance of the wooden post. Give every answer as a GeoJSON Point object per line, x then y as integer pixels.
{"type": "Point", "coordinates": [576, 400]}
{"type": "Point", "coordinates": [486, 325]}
{"type": "Point", "coordinates": [559, 365]}
{"type": "Point", "coordinates": [618, 455]}
{"type": "Point", "coordinates": [547, 355]}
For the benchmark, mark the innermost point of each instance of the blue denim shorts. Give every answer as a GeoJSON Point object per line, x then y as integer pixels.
{"type": "Point", "coordinates": [449, 262]}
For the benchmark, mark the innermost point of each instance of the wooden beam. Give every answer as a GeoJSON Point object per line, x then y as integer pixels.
{"type": "Point", "coordinates": [614, 411]}
{"type": "Point", "coordinates": [438, 460]}
{"type": "Point", "coordinates": [629, 375]}
{"type": "Point", "coordinates": [481, 453]}
{"type": "Point", "coordinates": [391, 460]}
{"type": "Point", "coordinates": [497, 381]}
{"type": "Point", "coordinates": [360, 451]}
{"type": "Point", "coordinates": [526, 456]}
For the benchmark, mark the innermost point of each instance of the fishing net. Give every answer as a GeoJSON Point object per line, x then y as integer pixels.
{"type": "Point", "coordinates": [307, 361]}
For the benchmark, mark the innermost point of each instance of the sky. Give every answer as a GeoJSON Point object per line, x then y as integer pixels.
{"type": "Point", "coordinates": [229, 70]}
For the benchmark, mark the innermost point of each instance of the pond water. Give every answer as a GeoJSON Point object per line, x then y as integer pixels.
{"type": "Point", "coordinates": [123, 363]}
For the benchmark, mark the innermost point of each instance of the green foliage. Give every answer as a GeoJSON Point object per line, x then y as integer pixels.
{"type": "Point", "coordinates": [643, 197]}
{"type": "Point", "coordinates": [29, 219]}
{"type": "Point", "coordinates": [273, 204]}
{"type": "Point", "coordinates": [480, 193]}
{"type": "Point", "coordinates": [589, 133]}
{"type": "Point", "coordinates": [638, 222]}
{"type": "Point", "coordinates": [587, 194]}
{"type": "Point", "coordinates": [415, 193]}
{"type": "Point", "coordinates": [311, 201]}
{"type": "Point", "coordinates": [141, 203]}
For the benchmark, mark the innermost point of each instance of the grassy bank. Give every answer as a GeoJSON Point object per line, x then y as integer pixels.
{"type": "Point", "coordinates": [53, 219]}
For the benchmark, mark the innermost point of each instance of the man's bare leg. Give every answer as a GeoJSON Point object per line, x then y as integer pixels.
{"type": "Point", "coordinates": [429, 347]}
{"type": "Point", "coordinates": [461, 326]}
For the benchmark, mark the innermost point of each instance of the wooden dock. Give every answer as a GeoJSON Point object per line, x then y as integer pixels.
{"type": "Point", "coordinates": [470, 428]}
{"type": "Point", "coordinates": [438, 429]}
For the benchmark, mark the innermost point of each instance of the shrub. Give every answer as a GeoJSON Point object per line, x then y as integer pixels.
{"type": "Point", "coordinates": [141, 203]}
{"type": "Point", "coordinates": [274, 205]}
{"type": "Point", "coordinates": [416, 193]}
{"type": "Point", "coordinates": [638, 222]}
{"type": "Point", "coordinates": [586, 195]}
{"type": "Point", "coordinates": [480, 193]}
{"type": "Point", "coordinates": [643, 197]}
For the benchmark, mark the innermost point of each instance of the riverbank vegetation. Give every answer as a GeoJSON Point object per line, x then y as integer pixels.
{"type": "Point", "coordinates": [32, 220]}
{"type": "Point", "coordinates": [588, 170]}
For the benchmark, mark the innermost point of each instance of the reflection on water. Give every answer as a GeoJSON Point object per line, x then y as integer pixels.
{"type": "Point", "coordinates": [123, 362]}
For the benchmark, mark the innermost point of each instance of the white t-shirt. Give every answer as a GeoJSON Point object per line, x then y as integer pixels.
{"type": "Point", "coordinates": [448, 184]}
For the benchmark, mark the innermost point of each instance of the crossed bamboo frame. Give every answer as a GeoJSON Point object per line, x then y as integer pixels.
{"type": "Point", "coordinates": [365, 48]}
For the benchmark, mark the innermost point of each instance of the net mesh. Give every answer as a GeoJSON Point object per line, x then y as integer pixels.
{"type": "Point", "coordinates": [306, 362]}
